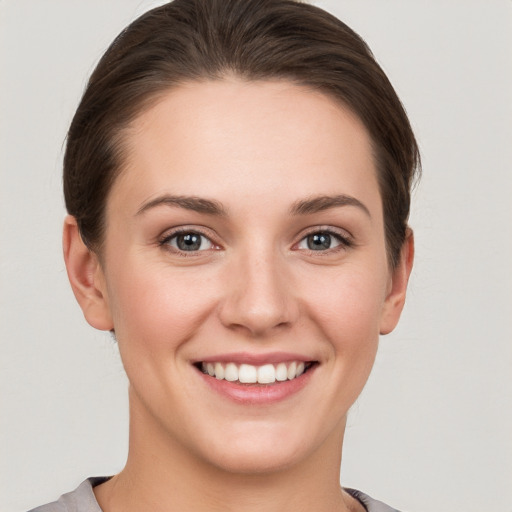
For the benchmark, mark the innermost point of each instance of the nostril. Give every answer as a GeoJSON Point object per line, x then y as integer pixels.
{"type": "Point", "coordinates": [258, 298]}
{"type": "Point", "coordinates": [257, 320]}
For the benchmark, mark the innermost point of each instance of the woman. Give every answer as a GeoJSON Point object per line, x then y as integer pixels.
{"type": "Point", "coordinates": [237, 177]}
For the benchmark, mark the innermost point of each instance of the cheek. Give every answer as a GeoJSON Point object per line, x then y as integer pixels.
{"type": "Point", "coordinates": [159, 309]}
{"type": "Point", "coordinates": [347, 306]}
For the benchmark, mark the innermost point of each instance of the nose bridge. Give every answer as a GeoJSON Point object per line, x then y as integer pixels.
{"type": "Point", "coordinates": [259, 297]}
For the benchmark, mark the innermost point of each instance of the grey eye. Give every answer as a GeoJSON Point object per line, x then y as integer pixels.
{"type": "Point", "coordinates": [190, 242]}
{"type": "Point", "coordinates": [320, 241]}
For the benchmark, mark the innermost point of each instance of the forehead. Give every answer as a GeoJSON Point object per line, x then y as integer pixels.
{"type": "Point", "coordinates": [225, 137]}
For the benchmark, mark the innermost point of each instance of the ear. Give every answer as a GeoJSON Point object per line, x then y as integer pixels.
{"type": "Point", "coordinates": [395, 299]}
{"type": "Point", "coordinates": [86, 277]}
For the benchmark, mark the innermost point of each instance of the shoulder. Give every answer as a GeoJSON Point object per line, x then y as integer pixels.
{"type": "Point", "coordinates": [369, 503]}
{"type": "Point", "coordinates": [82, 499]}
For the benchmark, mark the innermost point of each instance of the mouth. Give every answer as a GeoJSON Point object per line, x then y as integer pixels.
{"type": "Point", "coordinates": [248, 374]}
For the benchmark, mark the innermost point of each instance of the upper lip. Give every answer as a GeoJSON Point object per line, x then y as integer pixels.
{"type": "Point", "coordinates": [255, 359]}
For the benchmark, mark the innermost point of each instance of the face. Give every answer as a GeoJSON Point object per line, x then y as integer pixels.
{"type": "Point", "coordinates": [244, 272]}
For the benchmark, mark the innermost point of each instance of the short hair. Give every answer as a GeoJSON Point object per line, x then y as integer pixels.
{"type": "Point", "coordinates": [196, 40]}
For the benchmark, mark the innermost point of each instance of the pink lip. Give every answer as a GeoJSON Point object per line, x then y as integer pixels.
{"type": "Point", "coordinates": [255, 359]}
{"type": "Point", "coordinates": [257, 394]}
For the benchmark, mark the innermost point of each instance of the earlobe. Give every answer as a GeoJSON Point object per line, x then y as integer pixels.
{"type": "Point", "coordinates": [395, 299]}
{"type": "Point", "coordinates": [86, 277]}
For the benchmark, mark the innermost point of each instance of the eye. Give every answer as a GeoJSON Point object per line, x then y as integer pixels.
{"type": "Point", "coordinates": [322, 241]}
{"type": "Point", "coordinates": [188, 241]}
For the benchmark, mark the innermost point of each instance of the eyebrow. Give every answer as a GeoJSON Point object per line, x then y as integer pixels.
{"type": "Point", "coordinates": [319, 203]}
{"type": "Point", "coordinates": [210, 207]}
{"type": "Point", "coordinates": [197, 204]}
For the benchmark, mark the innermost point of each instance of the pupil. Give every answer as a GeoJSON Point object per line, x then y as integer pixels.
{"type": "Point", "coordinates": [319, 241]}
{"type": "Point", "coordinates": [189, 242]}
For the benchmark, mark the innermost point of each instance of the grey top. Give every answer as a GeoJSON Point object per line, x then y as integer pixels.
{"type": "Point", "coordinates": [82, 499]}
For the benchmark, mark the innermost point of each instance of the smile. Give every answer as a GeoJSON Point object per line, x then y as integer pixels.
{"type": "Point", "coordinates": [251, 374]}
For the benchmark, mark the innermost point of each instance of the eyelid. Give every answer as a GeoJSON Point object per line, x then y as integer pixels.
{"type": "Point", "coordinates": [325, 228]}
{"type": "Point", "coordinates": [344, 238]}
{"type": "Point", "coordinates": [169, 234]}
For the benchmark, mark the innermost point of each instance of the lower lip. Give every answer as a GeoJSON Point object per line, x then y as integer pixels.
{"type": "Point", "coordinates": [258, 393]}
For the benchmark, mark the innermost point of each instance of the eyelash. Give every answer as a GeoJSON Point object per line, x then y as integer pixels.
{"type": "Point", "coordinates": [344, 241]}
{"type": "Point", "coordinates": [165, 241]}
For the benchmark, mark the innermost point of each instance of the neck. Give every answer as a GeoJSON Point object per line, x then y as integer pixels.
{"type": "Point", "coordinates": [163, 476]}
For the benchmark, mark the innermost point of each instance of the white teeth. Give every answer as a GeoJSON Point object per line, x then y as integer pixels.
{"type": "Point", "coordinates": [292, 371]}
{"type": "Point", "coordinates": [250, 374]}
{"type": "Point", "coordinates": [266, 374]}
{"type": "Point", "coordinates": [219, 371]}
{"type": "Point", "coordinates": [281, 372]}
{"type": "Point", "coordinates": [231, 372]}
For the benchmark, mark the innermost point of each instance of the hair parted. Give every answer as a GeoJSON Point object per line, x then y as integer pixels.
{"type": "Point", "coordinates": [194, 40]}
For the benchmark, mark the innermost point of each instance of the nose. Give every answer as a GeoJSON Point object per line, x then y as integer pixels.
{"type": "Point", "coordinates": [259, 295]}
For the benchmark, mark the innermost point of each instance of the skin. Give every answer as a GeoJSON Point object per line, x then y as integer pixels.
{"type": "Point", "coordinates": [255, 149]}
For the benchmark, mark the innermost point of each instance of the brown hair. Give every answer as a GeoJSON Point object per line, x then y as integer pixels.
{"type": "Point", "coordinates": [188, 40]}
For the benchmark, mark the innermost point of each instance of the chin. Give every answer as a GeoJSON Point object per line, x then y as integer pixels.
{"type": "Point", "coordinates": [256, 461]}
{"type": "Point", "coordinates": [258, 453]}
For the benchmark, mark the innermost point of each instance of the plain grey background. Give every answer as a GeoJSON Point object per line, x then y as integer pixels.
{"type": "Point", "coordinates": [433, 428]}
